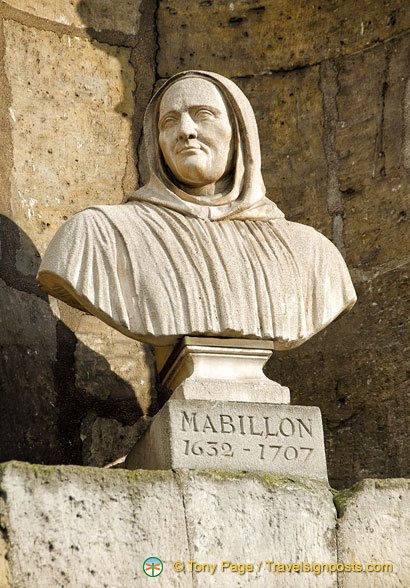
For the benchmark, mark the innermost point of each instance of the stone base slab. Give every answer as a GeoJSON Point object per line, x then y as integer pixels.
{"type": "Point", "coordinates": [374, 523]}
{"type": "Point", "coordinates": [82, 527]}
{"type": "Point", "coordinates": [277, 439]}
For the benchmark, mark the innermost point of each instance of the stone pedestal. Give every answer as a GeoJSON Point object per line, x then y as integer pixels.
{"type": "Point", "coordinates": [277, 439]}
{"type": "Point", "coordinates": [206, 368]}
{"type": "Point", "coordinates": [226, 415]}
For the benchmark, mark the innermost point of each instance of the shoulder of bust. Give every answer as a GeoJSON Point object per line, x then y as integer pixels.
{"type": "Point", "coordinates": [309, 240]}
{"type": "Point", "coordinates": [302, 231]}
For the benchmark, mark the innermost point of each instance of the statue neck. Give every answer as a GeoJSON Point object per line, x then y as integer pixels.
{"type": "Point", "coordinates": [209, 190]}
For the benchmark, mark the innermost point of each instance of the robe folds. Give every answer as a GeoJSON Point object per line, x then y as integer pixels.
{"type": "Point", "coordinates": [156, 274]}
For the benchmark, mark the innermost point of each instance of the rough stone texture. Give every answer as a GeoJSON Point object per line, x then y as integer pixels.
{"type": "Point", "coordinates": [289, 110]}
{"type": "Point", "coordinates": [96, 14]}
{"type": "Point", "coordinates": [105, 440]}
{"type": "Point", "coordinates": [68, 125]}
{"type": "Point", "coordinates": [4, 564]}
{"type": "Point", "coordinates": [69, 145]}
{"type": "Point", "coordinates": [247, 37]}
{"type": "Point", "coordinates": [110, 367]}
{"type": "Point", "coordinates": [277, 439]}
{"type": "Point", "coordinates": [68, 526]}
{"type": "Point", "coordinates": [374, 528]}
{"type": "Point", "coordinates": [28, 351]}
{"type": "Point", "coordinates": [375, 190]}
{"type": "Point", "coordinates": [71, 526]}
{"type": "Point", "coordinates": [357, 371]}
{"type": "Point", "coordinates": [273, 518]}
{"type": "Point", "coordinates": [77, 527]}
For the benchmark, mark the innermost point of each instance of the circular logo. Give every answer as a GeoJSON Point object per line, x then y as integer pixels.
{"type": "Point", "coordinates": [152, 566]}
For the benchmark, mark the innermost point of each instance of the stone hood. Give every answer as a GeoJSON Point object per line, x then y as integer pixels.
{"type": "Point", "coordinates": [246, 199]}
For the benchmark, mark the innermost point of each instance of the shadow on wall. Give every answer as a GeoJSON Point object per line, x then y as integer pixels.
{"type": "Point", "coordinates": [42, 405]}
{"type": "Point", "coordinates": [52, 384]}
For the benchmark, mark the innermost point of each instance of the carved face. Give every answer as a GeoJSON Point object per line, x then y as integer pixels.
{"type": "Point", "coordinates": [195, 133]}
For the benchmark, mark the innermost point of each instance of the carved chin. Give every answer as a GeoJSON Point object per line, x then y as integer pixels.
{"type": "Point", "coordinates": [193, 171]}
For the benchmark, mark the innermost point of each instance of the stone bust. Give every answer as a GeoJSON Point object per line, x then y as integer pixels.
{"type": "Point", "coordinates": [199, 250]}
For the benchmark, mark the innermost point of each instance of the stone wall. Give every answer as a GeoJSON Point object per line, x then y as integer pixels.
{"type": "Point", "coordinates": [86, 527]}
{"type": "Point", "coordinates": [76, 77]}
{"type": "Point", "coordinates": [329, 85]}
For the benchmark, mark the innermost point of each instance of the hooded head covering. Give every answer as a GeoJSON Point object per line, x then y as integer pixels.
{"type": "Point", "coordinates": [246, 198]}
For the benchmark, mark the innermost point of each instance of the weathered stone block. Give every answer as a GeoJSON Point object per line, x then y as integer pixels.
{"type": "Point", "coordinates": [231, 517]}
{"type": "Point", "coordinates": [71, 116]}
{"type": "Point", "coordinates": [374, 529]}
{"type": "Point", "coordinates": [277, 439]}
{"type": "Point", "coordinates": [372, 182]}
{"type": "Point", "coordinates": [357, 370]}
{"type": "Point", "coordinates": [244, 37]}
{"type": "Point", "coordinates": [100, 15]}
{"type": "Point", "coordinates": [89, 527]}
{"type": "Point", "coordinates": [29, 412]}
{"type": "Point", "coordinates": [289, 112]}
{"type": "Point", "coordinates": [106, 440]}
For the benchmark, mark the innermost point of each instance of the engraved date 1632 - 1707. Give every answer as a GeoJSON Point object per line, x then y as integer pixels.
{"type": "Point", "coordinates": [291, 436]}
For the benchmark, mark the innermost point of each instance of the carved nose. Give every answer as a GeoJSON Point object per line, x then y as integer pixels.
{"type": "Point", "coordinates": [187, 127]}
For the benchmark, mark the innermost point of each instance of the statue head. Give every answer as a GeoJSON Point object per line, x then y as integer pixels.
{"type": "Point", "coordinates": [196, 134]}
{"type": "Point", "coordinates": [203, 150]}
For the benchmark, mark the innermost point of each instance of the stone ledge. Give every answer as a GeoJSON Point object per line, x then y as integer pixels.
{"type": "Point", "coordinates": [374, 528]}
{"type": "Point", "coordinates": [93, 528]}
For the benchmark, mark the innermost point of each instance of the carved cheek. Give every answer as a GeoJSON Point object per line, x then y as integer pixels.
{"type": "Point", "coordinates": [166, 144]}
{"type": "Point", "coordinates": [224, 134]}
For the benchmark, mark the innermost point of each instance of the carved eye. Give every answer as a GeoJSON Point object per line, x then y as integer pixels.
{"type": "Point", "coordinates": [204, 114]}
{"type": "Point", "coordinates": [167, 122]}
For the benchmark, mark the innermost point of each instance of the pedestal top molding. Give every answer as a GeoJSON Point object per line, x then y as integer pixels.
{"type": "Point", "coordinates": [201, 368]}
